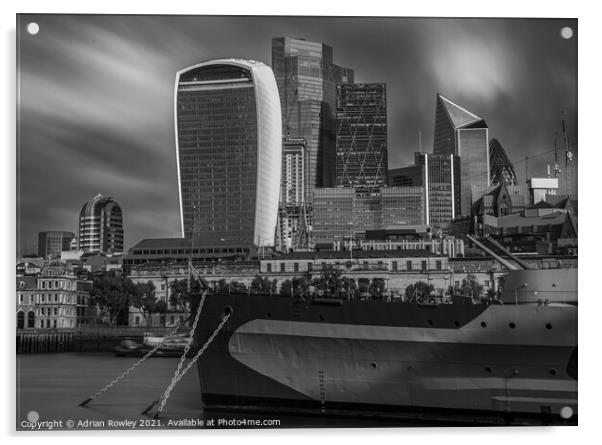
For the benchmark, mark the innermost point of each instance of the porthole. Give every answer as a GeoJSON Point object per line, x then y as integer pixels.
{"type": "Point", "coordinates": [512, 325]}
{"type": "Point", "coordinates": [269, 315]}
{"type": "Point", "coordinates": [373, 364]}
{"type": "Point", "coordinates": [488, 369]}
{"type": "Point", "coordinates": [456, 323]}
{"type": "Point", "coordinates": [429, 322]}
{"type": "Point", "coordinates": [548, 326]}
{"type": "Point", "coordinates": [321, 318]}
{"type": "Point", "coordinates": [552, 371]}
{"type": "Point", "coordinates": [227, 311]}
{"type": "Point", "coordinates": [483, 324]}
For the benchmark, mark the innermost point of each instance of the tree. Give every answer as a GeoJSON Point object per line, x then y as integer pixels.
{"type": "Point", "coordinates": [264, 285]}
{"type": "Point", "coordinates": [377, 288]}
{"type": "Point", "coordinates": [329, 280]}
{"type": "Point", "coordinates": [180, 296]}
{"type": "Point", "coordinates": [471, 287]}
{"type": "Point", "coordinates": [295, 287]}
{"type": "Point", "coordinates": [347, 288]}
{"type": "Point", "coordinates": [418, 291]}
{"type": "Point", "coordinates": [112, 295]}
{"type": "Point", "coordinates": [144, 299]}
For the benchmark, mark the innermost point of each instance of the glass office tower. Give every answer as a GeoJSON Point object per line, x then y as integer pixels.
{"type": "Point", "coordinates": [100, 226]}
{"type": "Point", "coordinates": [307, 77]}
{"type": "Point", "coordinates": [460, 132]}
{"type": "Point", "coordinates": [228, 143]}
{"type": "Point", "coordinates": [361, 138]}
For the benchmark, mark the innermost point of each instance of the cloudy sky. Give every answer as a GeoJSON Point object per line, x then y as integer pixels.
{"type": "Point", "coordinates": [96, 97]}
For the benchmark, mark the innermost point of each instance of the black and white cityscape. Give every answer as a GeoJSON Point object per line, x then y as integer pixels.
{"type": "Point", "coordinates": [306, 222]}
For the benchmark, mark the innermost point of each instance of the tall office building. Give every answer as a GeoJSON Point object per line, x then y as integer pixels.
{"type": "Point", "coordinates": [438, 175]}
{"type": "Point", "coordinates": [501, 170]}
{"type": "Point", "coordinates": [462, 133]}
{"type": "Point", "coordinates": [100, 226]}
{"type": "Point", "coordinates": [293, 224]}
{"type": "Point", "coordinates": [52, 243]}
{"type": "Point", "coordinates": [229, 151]}
{"type": "Point", "coordinates": [361, 138]}
{"type": "Point", "coordinates": [307, 77]}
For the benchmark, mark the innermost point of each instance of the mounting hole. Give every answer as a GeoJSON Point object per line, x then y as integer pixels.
{"type": "Point", "coordinates": [548, 325]}
{"type": "Point", "coordinates": [228, 310]}
{"type": "Point", "coordinates": [373, 364]}
{"type": "Point", "coordinates": [483, 324]}
{"type": "Point", "coordinates": [511, 325]}
{"type": "Point", "coordinates": [566, 32]}
{"type": "Point", "coordinates": [566, 412]}
{"type": "Point", "coordinates": [33, 28]}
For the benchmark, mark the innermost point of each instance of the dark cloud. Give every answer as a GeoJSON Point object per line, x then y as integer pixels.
{"type": "Point", "coordinates": [96, 97]}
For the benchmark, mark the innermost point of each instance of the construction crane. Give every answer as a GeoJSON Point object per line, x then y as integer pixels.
{"type": "Point", "coordinates": [568, 157]}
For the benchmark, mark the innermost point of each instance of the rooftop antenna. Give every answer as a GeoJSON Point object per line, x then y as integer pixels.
{"type": "Point", "coordinates": [568, 157]}
{"type": "Point", "coordinates": [556, 166]}
{"type": "Point", "coordinates": [420, 140]}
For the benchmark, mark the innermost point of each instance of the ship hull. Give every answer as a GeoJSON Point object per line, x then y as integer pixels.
{"type": "Point", "coordinates": [476, 362]}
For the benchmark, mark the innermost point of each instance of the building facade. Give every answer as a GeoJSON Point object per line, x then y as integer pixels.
{"type": "Point", "coordinates": [51, 244]}
{"type": "Point", "coordinates": [228, 148]}
{"type": "Point", "coordinates": [361, 138]}
{"type": "Point", "coordinates": [307, 77]}
{"type": "Point", "coordinates": [438, 175]}
{"type": "Point", "coordinates": [346, 213]}
{"type": "Point", "coordinates": [462, 133]}
{"type": "Point", "coordinates": [100, 226]}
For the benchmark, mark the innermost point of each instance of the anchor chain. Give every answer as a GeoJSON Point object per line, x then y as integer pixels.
{"type": "Point", "coordinates": [130, 369]}
{"type": "Point", "coordinates": [177, 378]}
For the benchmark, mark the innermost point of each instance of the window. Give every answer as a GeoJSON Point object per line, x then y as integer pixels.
{"type": "Point", "coordinates": [296, 267]}
{"type": "Point", "coordinates": [394, 266]}
{"type": "Point", "coordinates": [423, 266]}
{"type": "Point", "coordinates": [438, 265]}
{"type": "Point", "coordinates": [269, 266]}
{"type": "Point", "coordinates": [309, 266]}
{"type": "Point", "coordinates": [409, 265]}
{"type": "Point", "coordinates": [282, 267]}
{"type": "Point", "coordinates": [43, 284]}
{"type": "Point", "coordinates": [486, 283]}
{"type": "Point", "coordinates": [137, 320]}
{"type": "Point", "coordinates": [163, 287]}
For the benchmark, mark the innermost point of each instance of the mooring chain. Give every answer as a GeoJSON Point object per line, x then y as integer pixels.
{"type": "Point", "coordinates": [186, 348]}
{"type": "Point", "coordinates": [130, 369]}
{"type": "Point", "coordinates": [175, 381]}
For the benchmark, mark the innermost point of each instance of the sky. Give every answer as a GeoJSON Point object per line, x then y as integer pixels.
{"type": "Point", "coordinates": [95, 98]}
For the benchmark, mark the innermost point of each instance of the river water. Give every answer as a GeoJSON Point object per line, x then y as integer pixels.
{"type": "Point", "coordinates": [50, 387]}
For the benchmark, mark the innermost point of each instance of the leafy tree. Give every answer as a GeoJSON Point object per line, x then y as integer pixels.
{"type": "Point", "coordinates": [180, 296]}
{"type": "Point", "coordinates": [329, 280]}
{"type": "Point", "coordinates": [161, 308]}
{"type": "Point", "coordinates": [471, 287]}
{"type": "Point", "coordinates": [377, 288]}
{"type": "Point", "coordinates": [295, 287]}
{"type": "Point", "coordinates": [418, 291]}
{"type": "Point", "coordinates": [347, 288]}
{"type": "Point", "coordinates": [144, 299]}
{"type": "Point", "coordinates": [264, 285]}
{"type": "Point", "coordinates": [112, 295]}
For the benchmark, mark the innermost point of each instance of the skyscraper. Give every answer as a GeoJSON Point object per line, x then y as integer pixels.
{"type": "Point", "coordinates": [228, 148]}
{"type": "Point", "coordinates": [438, 175]}
{"type": "Point", "coordinates": [501, 170]}
{"type": "Point", "coordinates": [53, 243]}
{"type": "Point", "coordinates": [361, 138]}
{"type": "Point", "coordinates": [462, 133]}
{"type": "Point", "coordinates": [307, 77]}
{"type": "Point", "coordinates": [101, 226]}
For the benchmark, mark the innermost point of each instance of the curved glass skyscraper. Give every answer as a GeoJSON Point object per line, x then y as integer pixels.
{"type": "Point", "coordinates": [229, 147]}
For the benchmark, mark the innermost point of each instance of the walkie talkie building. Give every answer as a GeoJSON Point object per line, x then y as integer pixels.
{"type": "Point", "coordinates": [229, 147]}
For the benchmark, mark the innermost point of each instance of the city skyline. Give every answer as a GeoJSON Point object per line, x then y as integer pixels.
{"type": "Point", "coordinates": [96, 113]}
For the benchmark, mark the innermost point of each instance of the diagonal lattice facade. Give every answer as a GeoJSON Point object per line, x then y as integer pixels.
{"type": "Point", "coordinates": [361, 140]}
{"type": "Point", "coordinates": [501, 170]}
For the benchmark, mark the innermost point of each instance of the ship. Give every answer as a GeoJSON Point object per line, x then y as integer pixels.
{"type": "Point", "coordinates": [513, 361]}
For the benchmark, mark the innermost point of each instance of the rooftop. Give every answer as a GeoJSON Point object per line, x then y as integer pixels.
{"type": "Point", "coordinates": [357, 254]}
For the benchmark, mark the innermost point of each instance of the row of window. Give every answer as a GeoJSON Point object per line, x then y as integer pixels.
{"type": "Point", "coordinates": [395, 266]}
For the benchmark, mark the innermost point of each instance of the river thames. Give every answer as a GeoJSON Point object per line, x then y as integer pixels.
{"type": "Point", "coordinates": [51, 386]}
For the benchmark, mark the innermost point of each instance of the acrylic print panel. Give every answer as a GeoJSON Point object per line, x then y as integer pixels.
{"type": "Point", "coordinates": [306, 222]}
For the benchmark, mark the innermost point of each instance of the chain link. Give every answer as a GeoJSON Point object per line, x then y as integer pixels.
{"type": "Point", "coordinates": [131, 368]}
{"type": "Point", "coordinates": [179, 376]}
